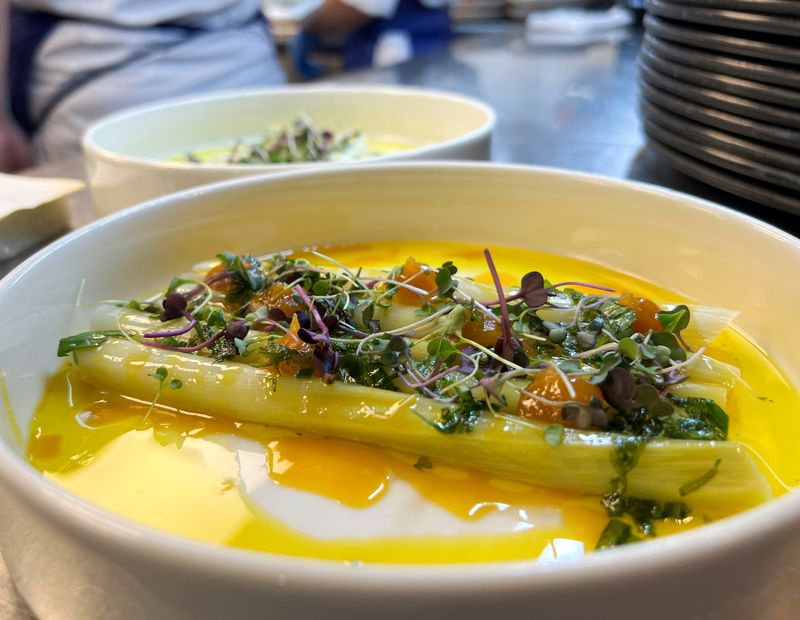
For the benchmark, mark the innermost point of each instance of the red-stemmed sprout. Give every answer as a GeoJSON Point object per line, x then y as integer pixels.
{"type": "Point", "coordinates": [507, 346]}
{"type": "Point", "coordinates": [535, 294]}
{"type": "Point", "coordinates": [174, 305]}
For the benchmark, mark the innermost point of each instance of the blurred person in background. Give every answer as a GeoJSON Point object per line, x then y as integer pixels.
{"type": "Point", "coordinates": [72, 62]}
{"type": "Point", "coordinates": [375, 33]}
{"type": "Point", "coordinates": [15, 152]}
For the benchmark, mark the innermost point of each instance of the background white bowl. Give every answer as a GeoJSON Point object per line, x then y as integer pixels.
{"type": "Point", "coordinates": [125, 151]}
{"type": "Point", "coordinates": [73, 560]}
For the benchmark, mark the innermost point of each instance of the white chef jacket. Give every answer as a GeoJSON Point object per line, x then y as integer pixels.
{"type": "Point", "coordinates": [133, 56]}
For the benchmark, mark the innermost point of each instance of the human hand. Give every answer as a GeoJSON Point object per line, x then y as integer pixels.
{"type": "Point", "coordinates": [15, 151]}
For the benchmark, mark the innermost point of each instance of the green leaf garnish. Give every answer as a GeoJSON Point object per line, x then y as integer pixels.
{"type": "Point", "coordinates": [86, 340]}
{"type": "Point", "coordinates": [673, 321]}
{"type": "Point", "coordinates": [616, 533]}
{"type": "Point", "coordinates": [445, 284]}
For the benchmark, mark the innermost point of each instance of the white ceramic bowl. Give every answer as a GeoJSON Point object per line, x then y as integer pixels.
{"type": "Point", "coordinates": [71, 559]}
{"type": "Point", "coordinates": [125, 151]}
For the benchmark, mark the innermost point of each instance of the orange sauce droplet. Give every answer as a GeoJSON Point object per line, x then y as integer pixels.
{"type": "Point", "coordinates": [418, 275]}
{"type": "Point", "coordinates": [550, 385]}
{"type": "Point", "coordinates": [44, 446]}
{"type": "Point", "coordinates": [277, 295]}
{"type": "Point", "coordinates": [482, 328]}
{"type": "Point", "coordinates": [350, 473]}
{"type": "Point", "coordinates": [291, 367]}
{"type": "Point", "coordinates": [223, 286]}
{"type": "Point", "coordinates": [645, 310]}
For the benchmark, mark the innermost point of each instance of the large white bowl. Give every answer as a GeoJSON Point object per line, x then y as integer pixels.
{"type": "Point", "coordinates": [71, 559]}
{"type": "Point", "coordinates": [125, 151]}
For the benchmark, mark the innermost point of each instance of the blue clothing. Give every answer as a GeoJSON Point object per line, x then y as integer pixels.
{"type": "Point", "coordinates": [429, 30]}
{"type": "Point", "coordinates": [28, 31]}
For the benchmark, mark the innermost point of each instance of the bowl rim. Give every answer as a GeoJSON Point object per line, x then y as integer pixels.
{"type": "Point", "coordinates": [93, 149]}
{"type": "Point", "coordinates": [87, 521]}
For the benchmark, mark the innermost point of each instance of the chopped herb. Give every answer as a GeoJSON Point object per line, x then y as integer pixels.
{"type": "Point", "coordinates": [423, 462]}
{"type": "Point", "coordinates": [86, 340]}
{"type": "Point", "coordinates": [615, 534]}
{"type": "Point", "coordinates": [694, 485]}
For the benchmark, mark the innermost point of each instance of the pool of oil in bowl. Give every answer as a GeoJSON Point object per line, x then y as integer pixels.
{"type": "Point", "coordinates": [167, 471]}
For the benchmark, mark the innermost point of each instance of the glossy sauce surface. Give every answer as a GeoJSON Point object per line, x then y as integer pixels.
{"type": "Point", "coordinates": [276, 490]}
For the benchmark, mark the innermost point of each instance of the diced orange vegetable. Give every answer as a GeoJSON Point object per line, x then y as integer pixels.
{"type": "Point", "coordinates": [223, 286]}
{"type": "Point", "coordinates": [277, 295]}
{"type": "Point", "coordinates": [418, 275]}
{"type": "Point", "coordinates": [550, 385]}
{"type": "Point", "coordinates": [482, 328]}
{"type": "Point", "coordinates": [294, 342]}
{"type": "Point", "coordinates": [645, 310]}
{"type": "Point", "coordinates": [293, 366]}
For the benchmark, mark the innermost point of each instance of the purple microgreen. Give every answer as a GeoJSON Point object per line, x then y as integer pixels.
{"type": "Point", "coordinates": [648, 397]}
{"type": "Point", "coordinates": [423, 388]}
{"type": "Point", "coordinates": [191, 349]}
{"type": "Point", "coordinates": [217, 277]}
{"type": "Point", "coordinates": [532, 289]}
{"type": "Point", "coordinates": [583, 284]}
{"type": "Point", "coordinates": [534, 293]}
{"type": "Point", "coordinates": [327, 361]}
{"type": "Point", "coordinates": [307, 336]}
{"type": "Point", "coordinates": [467, 362]}
{"type": "Point", "coordinates": [176, 332]}
{"type": "Point", "coordinates": [314, 313]}
{"type": "Point", "coordinates": [276, 314]}
{"type": "Point", "coordinates": [237, 329]}
{"type": "Point", "coordinates": [273, 325]}
{"type": "Point", "coordinates": [493, 386]}
{"type": "Point", "coordinates": [618, 389]}
{"type": "Point", "coordinates": [174, 305]}
{"type": "Point", "coordinates": [433, 378]}
{"type": "Point", "coordinates": [351, 330]}
{"type": "Point", "coordinates": [507, 349]}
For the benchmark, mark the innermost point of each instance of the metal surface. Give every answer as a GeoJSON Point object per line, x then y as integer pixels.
{"type": "Point", "coordinates": [756, 130]}
{"type": "Point", "coordinates": [783, 7]}
{"type": "Point", "coordinates": [736, 86]}
{"type": "Point", "coordinates": [753, 46]}
{"type": "Point", "coordinates": [761, 153]}
{"type": "Point", "coordinates": [738, 106]}
{"type": "Point", "coordinates": [723, 18]}
{"type": "Point", "coordinates": [732, 183]}
{"type": "Point", "coordinates": [782, 75]}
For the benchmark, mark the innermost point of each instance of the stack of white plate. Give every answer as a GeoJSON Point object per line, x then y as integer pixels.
{"type": "Point", "coordinates": [720, 84]}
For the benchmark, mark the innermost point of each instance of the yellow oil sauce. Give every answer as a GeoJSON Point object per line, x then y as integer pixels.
{"type": "Point", "coordinates": [176, 471]}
